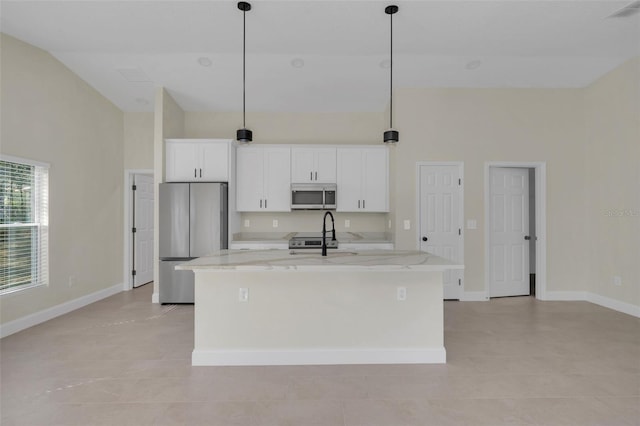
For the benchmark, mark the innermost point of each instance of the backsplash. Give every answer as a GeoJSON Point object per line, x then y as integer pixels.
{"type": "Point", "coordinates": [311, 221]}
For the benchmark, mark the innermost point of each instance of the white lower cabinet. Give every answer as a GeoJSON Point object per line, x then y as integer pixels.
{"type": "Point", "coordinates": [363, 179]}
{"type": "Point", "coordinates": [263, 178]}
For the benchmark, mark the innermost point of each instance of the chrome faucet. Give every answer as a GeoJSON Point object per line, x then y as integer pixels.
{"type": "Point", "coordinates": [324, 232]}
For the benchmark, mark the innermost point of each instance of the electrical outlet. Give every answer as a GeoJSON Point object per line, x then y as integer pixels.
{"type": "Point", "coordinates": [617, 280]}
{"type": "Point", "coordinates": [407, 224]}
{"type": "Point", "coordinates": [72, 280]}
{"type": "Point", "coordinates": [472, 224]}
{"type": "Point", "coordinates": [247, 223]}
{"type": "Point", "coordinates": [401, 294]}
{"type": "Point", "coordinates": [243, 294]}
{"type": "Point", "coordinates": [347, 223]}
{"type": "Point", "coordinates": [275, 223]}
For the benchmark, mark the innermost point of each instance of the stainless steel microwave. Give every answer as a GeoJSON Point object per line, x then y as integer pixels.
{"type": "Point", "coordinates": [313, 196]}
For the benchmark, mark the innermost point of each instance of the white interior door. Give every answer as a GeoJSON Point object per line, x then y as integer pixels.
{"type": "Point", "coordinates": [441, 219]}
{"type": "Point", "coordinates": [143, 224]}
{"type": "Point", "coordinates": [509, 218]}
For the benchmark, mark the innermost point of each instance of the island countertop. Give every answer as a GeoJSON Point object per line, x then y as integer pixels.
{"type": "Point", "coordinates": [336, 260]}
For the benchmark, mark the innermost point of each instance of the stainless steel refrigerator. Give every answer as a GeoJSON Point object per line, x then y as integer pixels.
{"type": "Point", "coordinates": [192, 223]}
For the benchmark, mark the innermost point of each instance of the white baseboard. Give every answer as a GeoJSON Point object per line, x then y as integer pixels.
{"type": "Point", "coordinates": [36, 318]}
{"type": "Point", "coordinates": [587, 296]}
{"type": "Point", "coordinates": [155, 298]}
{"type": "Point", "coordinates": [319, 357]}
{"type": "Point", "coordinates": [616, 305]}
{"type": "Point", "coordinates": [473, 296]}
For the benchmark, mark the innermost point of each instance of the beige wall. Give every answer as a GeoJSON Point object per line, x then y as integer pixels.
{"type": "Point", "coordinates": [476, 126]}
{"type": "Point", "coordinates": [613, 180]}
{"type": "Point", "coordinates": [50, 115]}
{"type": "Point", "coordinates": [138, 140]}
{"type": "Point", "coordinates": [338, 128]}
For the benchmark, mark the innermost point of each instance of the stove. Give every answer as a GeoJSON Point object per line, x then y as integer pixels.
{"type": "Point", "coordinates": [311, 241]}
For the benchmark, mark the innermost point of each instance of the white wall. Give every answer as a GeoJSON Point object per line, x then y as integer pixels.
{"type": "Point", "coordinates": [50, 115]}
{"type": "Point", "coordinates": [612, 177]}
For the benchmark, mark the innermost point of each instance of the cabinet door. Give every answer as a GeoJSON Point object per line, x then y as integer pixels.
{"type": "Point", "coordinates": [180, 162]}
{"type": "Point", "coordinates": [302, 165]}
{"type": "Point", "coordinates": [214, 161]}
{"type": "Point", "coordinates": [349, 177]}
{"type": "Point", "coordinates": [325, 163]}
{"type": "Point", "coordinates": [277, 179]}
{"type": "Point", "coordinates": [249, 179]}
{"type": "Point", "coordinates": [375, 192]}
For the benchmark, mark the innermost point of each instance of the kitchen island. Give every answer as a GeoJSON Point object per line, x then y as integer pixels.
{"type": "Point", "coordinates": [271, 307]}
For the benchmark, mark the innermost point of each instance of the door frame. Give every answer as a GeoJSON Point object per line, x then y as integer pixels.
{"type": "Point", "coordinates": [460, 165]}
{"type": "Point", "coordinates": [127, 282]}
{"type": "Point", "coordinates": [541, 222]}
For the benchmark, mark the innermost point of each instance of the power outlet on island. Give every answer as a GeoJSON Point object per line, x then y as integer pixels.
{"type": "Point", "coordinates": [243, 294]}
{"type": "Point", "coordinates": [275, 223]}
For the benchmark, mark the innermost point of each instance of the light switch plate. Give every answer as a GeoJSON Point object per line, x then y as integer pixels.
{"type": "Point", "coordinates": [247, 223]}
{"type": "Point", "coordinates": [472, 224]}
{"type": "Point", "coordinates": [275, 223]}
{"type": "Point", "coordinates": [407, 224]}
{"type": "Point", "coordinates": [347, 223]}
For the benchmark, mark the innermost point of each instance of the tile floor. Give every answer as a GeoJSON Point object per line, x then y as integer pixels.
{"type": "Point", "coordinates": [515, 361]}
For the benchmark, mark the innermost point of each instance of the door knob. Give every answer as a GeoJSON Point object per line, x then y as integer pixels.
{"type": "Point", "coordinates": [424, 238]}
{"type": "Point", "coordinates": [527, 237]}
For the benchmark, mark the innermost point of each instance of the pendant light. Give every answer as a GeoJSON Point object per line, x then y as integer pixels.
{"type": "Point", "coordinates": [244, 134]}
{"type": "Point", "coordinates": [391, 135]}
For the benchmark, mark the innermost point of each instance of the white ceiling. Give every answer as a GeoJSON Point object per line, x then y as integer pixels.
{"type": "Point", "coordinates": [344, 45]}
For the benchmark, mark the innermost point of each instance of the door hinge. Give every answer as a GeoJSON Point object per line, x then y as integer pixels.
{"type": "Point", "coordinates": [134, 230]}
{"type": "Point", "coordinates": [459, 281]}
{"type": "Point", "coordinates": [134, 187]}
{"type": "Point", "coordinates": [133, 273]}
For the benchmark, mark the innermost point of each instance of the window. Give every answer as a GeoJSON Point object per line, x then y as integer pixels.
{"type": "Point", "coordinates": [24, 224]}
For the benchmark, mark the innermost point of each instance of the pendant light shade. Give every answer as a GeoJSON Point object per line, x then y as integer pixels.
{"type": "Point", "coordinates": [391, 135]}
{"type": "Point", "coordinates": [244, 134]}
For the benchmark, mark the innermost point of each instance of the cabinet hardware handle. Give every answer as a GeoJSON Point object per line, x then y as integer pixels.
{"type": "Point", "coordinates": [200, 172]}
{"type": "Point", "coordinates": [316, 175]}
{"type": "Point", "coordinates": [260, 203]}
{"type": "Point", "coordinates": [265, 203]}
{"type": "Point", "coordinates": [424, 238]}
{"type": "Point", "coordinates": [195, 173]}
{"type": "Point", "coordinates": [310, 175]}
{"type": "Point", "coordinates": [363, 204]}
{"type": "Point", "coordinates": [527, 237]}
{"type": "Point", "coordinates": [358, 203]}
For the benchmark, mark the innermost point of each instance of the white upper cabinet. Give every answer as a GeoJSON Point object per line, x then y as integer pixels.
{"type": "Point", "coordinates": [263, 178]}
{"type": "Point", "coordinates": [313, 164]}
{"type": "Point", "coordinates": [197, 160]}
{"type": "Point", "coordinates": [363, 179]}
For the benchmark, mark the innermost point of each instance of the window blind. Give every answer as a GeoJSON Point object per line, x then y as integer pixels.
{"type": "Point", "coordinates": [24, 224]}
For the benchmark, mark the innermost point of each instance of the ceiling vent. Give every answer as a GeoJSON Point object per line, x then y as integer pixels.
{"type": "Point", "coordinates": [628, 10]}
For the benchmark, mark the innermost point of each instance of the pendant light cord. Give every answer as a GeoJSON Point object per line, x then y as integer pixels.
{"type": "Point", "coordinates": [391, 77]}
{"type": "Point", "coordinates": [244, 59]}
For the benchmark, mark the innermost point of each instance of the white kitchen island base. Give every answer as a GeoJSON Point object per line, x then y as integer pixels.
{"type": "Point", "coordinates": [318, 315]}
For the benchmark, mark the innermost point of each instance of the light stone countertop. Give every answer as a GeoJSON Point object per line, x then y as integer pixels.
{"type": "Point", "coordinates": [342, 237]}
{"type": "Point", "coordinates": [337, 260]}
